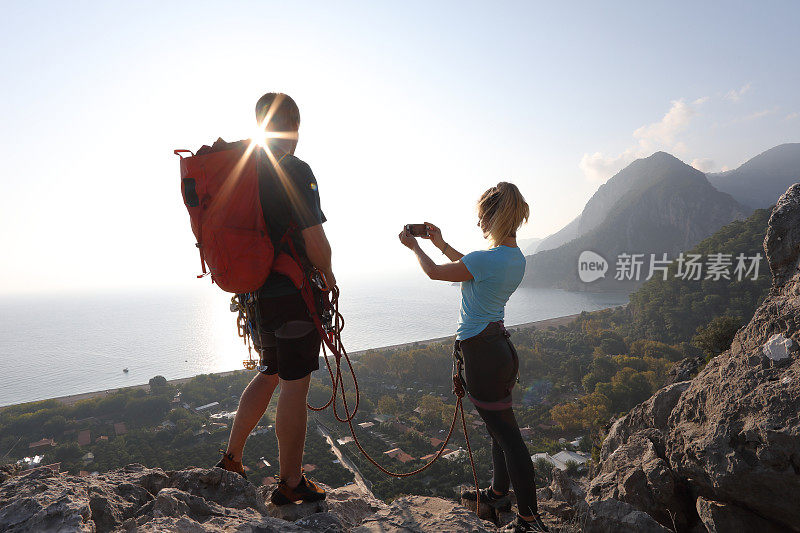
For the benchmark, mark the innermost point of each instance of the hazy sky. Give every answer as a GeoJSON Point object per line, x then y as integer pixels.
{"type": "Point", "coordinates": [409, 111]}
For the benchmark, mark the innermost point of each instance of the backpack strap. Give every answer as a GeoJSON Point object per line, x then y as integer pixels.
{"type": "Point", "coordinates": [285, 264]}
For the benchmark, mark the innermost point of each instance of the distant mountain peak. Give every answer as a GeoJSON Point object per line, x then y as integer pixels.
{"type": "Point", "coordinates": [762, 179]}
{"type": "Point", "coordinates": [634, 178]}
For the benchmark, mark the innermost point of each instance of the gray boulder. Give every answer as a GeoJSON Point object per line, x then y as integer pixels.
{"type": "Point", "coordinates": [635, 473]}
{"type": "Point", "coordinates": [422, 514]}
{"type": "Point", "coordinates": [614, 516]}
{"type": "Point", "coordinates": [735, 432]}
{"type": "Point", "coordinates": [723, 517]}
{"type": "Point", "coordinates": [720, 452]}
{"type": "Point", "coordinates": [43, 500]}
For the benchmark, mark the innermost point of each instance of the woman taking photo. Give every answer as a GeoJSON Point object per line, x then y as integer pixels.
{"type": "Point", "coordinates": [488, 278]}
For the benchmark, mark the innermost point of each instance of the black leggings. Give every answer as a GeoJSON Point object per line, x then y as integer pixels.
{"type": "Point", "coordinates": [511, 462]}
{"type": "Point", "coordinates": [490, 371]}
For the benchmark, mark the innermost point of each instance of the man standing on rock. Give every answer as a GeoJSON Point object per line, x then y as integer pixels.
{"type": "Point", "coordinates": [284, 335]}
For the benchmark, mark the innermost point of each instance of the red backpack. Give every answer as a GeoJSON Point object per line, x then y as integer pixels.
{"type": "Point", "coordinates": [219, 186]}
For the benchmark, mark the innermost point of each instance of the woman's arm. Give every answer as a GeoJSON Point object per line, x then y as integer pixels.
{"type": "Point", "coordinates": [455, 271]}
{"type": "Point", "coordinates": [435, 236]}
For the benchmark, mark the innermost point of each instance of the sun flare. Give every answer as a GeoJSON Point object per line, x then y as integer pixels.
{"type": "Point", "coordinates": [261, 136]}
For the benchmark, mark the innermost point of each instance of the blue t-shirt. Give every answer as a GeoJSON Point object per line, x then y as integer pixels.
{"type": "Point", "coordinates": [496, 274]}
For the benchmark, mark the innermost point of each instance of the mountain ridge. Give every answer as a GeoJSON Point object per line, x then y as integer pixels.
{"type": "Point", "coordinates": [667, 207]}
{"type": "Point", "coordinates": [759, 181]}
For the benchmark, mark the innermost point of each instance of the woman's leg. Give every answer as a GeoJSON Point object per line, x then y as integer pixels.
{"type": "Point", "coordinates": [502, 425]}
{"type": "Point", "coordinates": [500, 480]}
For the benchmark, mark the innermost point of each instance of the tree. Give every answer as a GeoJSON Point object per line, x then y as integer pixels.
{"type": "Point", "coordinates": [387, 405]}
{"type": "Point", "coordinates": [567, 416]}
{"type": "Point", "coordinates": [158, 382]}
{"type": "Point", "coordinates": [717, 336]}
{"type": "Point", "coordinates": [544, 472]}
{"type": "Point", "coordinates": [374, 363]}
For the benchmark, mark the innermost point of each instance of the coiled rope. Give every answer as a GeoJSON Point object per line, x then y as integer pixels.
{"type": "Point", "coordinates": [331, 334]}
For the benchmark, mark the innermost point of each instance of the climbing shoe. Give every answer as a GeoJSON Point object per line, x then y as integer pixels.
{"type": "Point", "coordinates": [227, 463]}
{"type": "Point", "coordinates": [305, 491]}
{"type": "Point", "coordinates": [500, 502]}
{"type": "Point", "coordinates": [519, 525]}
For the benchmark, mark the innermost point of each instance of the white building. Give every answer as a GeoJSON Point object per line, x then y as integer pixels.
{"type": "Point", "coordinates": [560, 459]}
{"type": "Point", "coordinates": [452, 456]}
{"type": "Point", "coordinates": [207, 406]}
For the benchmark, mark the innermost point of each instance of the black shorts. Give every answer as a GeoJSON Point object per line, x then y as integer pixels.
{"type": "Point", "coordinates": [284, 336]}
{"type": "Point", "coordinates": [490, 368]}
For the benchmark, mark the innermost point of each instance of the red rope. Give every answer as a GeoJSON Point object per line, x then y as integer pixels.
{"type": "Point", "coordinates": [333, 340]}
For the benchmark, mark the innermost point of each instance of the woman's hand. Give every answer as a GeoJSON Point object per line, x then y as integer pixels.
{"type": "Point", "coordinates": [408, 240]}
{"type": "Point", "coordinates": [435, 236]}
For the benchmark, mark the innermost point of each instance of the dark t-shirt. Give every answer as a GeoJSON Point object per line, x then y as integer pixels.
{"type": "Point", "coordinates": [289, 193]}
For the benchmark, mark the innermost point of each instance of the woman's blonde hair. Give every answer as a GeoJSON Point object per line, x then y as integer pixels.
{"type": "Point", "coordinates": [502, 210]}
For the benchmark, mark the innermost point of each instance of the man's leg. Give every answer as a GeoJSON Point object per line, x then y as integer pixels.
{"type": "Point", "coordinates": [290, 428]}
{"type": "Point", "coordinates": [253, 403]}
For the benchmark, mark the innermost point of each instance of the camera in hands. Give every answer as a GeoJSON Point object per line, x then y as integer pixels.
{"type": "Point", "coordinates": [417, 230]}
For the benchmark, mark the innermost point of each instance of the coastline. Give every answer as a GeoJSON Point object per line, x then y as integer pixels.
{"type": "Point", "coordinates": [539, 324]}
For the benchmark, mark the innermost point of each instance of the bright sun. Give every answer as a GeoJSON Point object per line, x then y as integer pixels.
{"type": "Point", "coordinates": [261, 137]}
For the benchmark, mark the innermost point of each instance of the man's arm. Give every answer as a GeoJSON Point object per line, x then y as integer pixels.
{"type": "Point", "coordinates": [318, 251]}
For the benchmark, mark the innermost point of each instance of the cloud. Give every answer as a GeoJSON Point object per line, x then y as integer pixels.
{"type": "Point", "coordinates": [599, 167]}
{"type": "Point", "coordinates": [792, 116]}
{"type": "Point", "coordinates": [649, 138]}
{"type": "Point", "coordinates": [755, 116]}
{"type": "Point", "coordinates": [735, 95]}
{"type": "Point", "coordinates": [703, 165]}
{"type": "Point", "coordinates": [759, 114]}
{"type": "Point", "coordinates": [665, 130]}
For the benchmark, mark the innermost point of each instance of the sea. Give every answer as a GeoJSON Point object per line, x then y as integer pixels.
{"type": "Point", "coordinates": [59, 345]}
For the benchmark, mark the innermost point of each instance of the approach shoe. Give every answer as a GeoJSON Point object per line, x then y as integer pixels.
{"type": "Point", "coordinates": [500, 502]}
{"type": "Point", "coordinates": [519, 525]}
{"type": "Point", "coordinates": [305, 491]}
{"type": "Point", "coordinates": [227, 463]}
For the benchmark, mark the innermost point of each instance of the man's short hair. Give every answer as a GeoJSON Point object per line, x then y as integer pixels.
{"type": "Point", "coordinates": [282, 111]}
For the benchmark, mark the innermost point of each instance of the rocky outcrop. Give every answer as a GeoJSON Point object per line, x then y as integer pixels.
{"type": "Point", "coordinates": [684, 370]}
{"type": "Point", "coordinates": [423, 513]}
{"type": "Point", "coordinates": [136, 498]}
{"type": "Point", "coordinates": [720, 452]}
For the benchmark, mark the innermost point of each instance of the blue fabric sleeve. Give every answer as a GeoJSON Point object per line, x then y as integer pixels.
{"type": "Point", "coordinates": [477, 263]}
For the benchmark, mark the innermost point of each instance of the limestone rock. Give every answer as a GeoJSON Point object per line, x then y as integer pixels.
{"type": "Point", "coordinates": [782, 242]}
{"type": "Point", "coordinates": [636, 474]}
{"type": "Point", "coordinates": [723, 517]}
{"type": "Point", "coordinates": [684, 370]}
{"type": "Point", "coordinates": [736, 430]}
{"type": "Point", "coordinates": [566, 489]}
{"type": "Point", "coordinates": [652, 414]}
{"type": "Point", "coordinates": [723, 448]}
{"type": "Point", "coordinates": [614, 516]}
{"type": "Point", "coordinates": [225, 488]}
{"type": "Point", "coordinates": [42, 500]}
{"type": "Point", "coordinates": [423, 514]}
{"type": "Point", "coordinates": [351, 504]}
